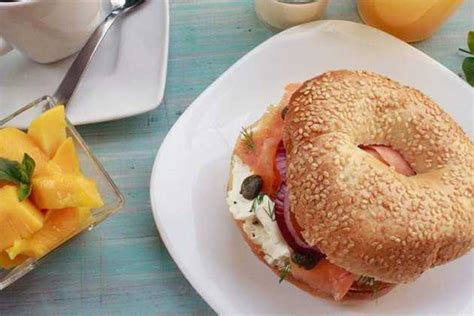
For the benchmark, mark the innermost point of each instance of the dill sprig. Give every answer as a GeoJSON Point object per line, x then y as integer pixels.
{"type": "Point", "coordinates": [270, 211]}
{"type": "Point", "coordinates": [247, 139]}
{"type": "Point", "coordinates": [367, 282]}
{"type": "Point", "coordinates": [258, 200]}
{"type": "Point", "coordinates": [284, 272]}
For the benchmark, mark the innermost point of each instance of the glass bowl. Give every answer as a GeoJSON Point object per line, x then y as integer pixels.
{"type": "Point", "coordinates": [91, 168]}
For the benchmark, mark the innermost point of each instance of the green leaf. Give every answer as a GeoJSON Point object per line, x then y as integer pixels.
{"type": "Point", "coordinates": [366, 281]}
{"type": "Point", "coordinates": [256, 202]}
{"type": "Point", "coordinates": [468, 68]}
{"type": "Point", "coordinates": [247, 139]}
{"type": "Point", "coordinates": [24, 191]}
{"type": "Point", "coordinates": [9, 171]}
{"type": "Point", "coordinates": [284, 272]}
{"type": "Point", "coordinates": [12, 171]}
{"type": "Point", "coordinates": [470, 41]}
{"type": "Point", "coordinates": [27, 168]}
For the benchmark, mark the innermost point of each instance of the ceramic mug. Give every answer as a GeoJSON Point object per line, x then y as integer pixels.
{"type": "Point", "coordinates": [280, 15]}
{"type": "Point", "coordinates": [47, 30]}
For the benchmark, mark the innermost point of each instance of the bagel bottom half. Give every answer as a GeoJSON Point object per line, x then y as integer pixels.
{"type": "Point", "coordinates": [351, 296]}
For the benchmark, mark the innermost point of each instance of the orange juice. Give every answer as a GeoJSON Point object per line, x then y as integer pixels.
{"type": "Point", "coordinates": [409, 20]}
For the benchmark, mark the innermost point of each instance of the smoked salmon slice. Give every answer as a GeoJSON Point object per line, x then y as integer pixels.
{"type": "Point", "coordinates": [325, 277]}
{"type": "Point", "coordinates": [390, 157]}
{"type": "Point", "coordinates": [258, 147]}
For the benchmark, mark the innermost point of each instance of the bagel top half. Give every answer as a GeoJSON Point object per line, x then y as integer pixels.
{"type": "Point", "coordinates": [364, 216]}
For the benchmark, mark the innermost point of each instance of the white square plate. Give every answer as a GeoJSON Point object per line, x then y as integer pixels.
{"type": "Point", "coordinates": [188, 185]}
{"type": "Point", "coordinates": [126, 77]}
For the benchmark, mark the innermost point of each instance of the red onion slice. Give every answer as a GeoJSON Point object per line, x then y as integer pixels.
{"type": "Point", "coordinates": [280, 161]}
{"type": "Point", "coordinates": [282, 209]}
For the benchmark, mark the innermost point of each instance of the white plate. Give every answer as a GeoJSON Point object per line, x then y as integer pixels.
{"type": "Point", "coordinates": [190, 172]}
{"type": "Point", "coordinates": [127, 76]}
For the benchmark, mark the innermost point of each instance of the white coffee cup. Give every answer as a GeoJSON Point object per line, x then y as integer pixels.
{"type": "Point", "coordinates": [47, 30]}
{"type": "Point", "coordinates": [281, 15]}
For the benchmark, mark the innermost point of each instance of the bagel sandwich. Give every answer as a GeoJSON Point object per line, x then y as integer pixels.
{"type": "Point", "coordinates": [353, 184]}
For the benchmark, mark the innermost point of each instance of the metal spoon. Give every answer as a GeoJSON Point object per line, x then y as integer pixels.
{"type": "Point", "coordinates": [74, 74]}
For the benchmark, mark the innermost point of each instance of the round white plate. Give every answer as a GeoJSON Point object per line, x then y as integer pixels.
{"type": "Point", "coordinates": [191, 170]}
{"type": "Point", "coordinates": [126, 77]}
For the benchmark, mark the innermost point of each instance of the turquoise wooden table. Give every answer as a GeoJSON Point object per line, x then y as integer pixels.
{"type": "Point", "coordinates": [122, 267]}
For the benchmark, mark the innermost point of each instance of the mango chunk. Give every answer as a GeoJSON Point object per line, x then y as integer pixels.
{"type": "Point", "coordinates": [48, 131]}
{"type": "Point", "coordinates": [53, 168]}
{"type": "Point", "coordinates": [15, 143]}
{"type": "Point", "coordinates": [18, 219]}
{"type": "Point", "coordinates": [59, 226]}
{"type": "Point", "coordinates": [66, 157]}
{"type": "Point", "coordinates": [6, 263]}
{"type": "Point", "coordinates": [60, 191]}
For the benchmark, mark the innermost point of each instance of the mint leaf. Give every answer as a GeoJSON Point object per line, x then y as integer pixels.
{"type": "Point", "coordinates": [470, 41]}
{"type": "Point", "coordinates": [20, 174]}
{"type": "Point", "coordinates": [468, 68]}
{"type": "Point", "coordinates": [27, 168]}
{"type": "Point", "coordinates": [9, 171]}
{"type": "Point", "coordinates": [24, 191]}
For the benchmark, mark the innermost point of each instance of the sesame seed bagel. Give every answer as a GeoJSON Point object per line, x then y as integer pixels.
{"type": "Point", "coordinates": [364, 216]}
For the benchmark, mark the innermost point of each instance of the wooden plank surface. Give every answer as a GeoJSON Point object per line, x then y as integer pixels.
{"type": "Point", "coordinates": [122, 267]}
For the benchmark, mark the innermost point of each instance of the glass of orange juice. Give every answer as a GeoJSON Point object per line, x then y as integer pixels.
{"type": "Point", "coordinates": [409, 20]}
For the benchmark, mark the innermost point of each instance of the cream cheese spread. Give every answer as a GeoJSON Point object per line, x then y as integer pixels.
{"type": "Point", "coordinates": [258, 217]}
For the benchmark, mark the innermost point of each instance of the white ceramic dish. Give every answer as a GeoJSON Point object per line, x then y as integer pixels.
{"type": "Point", "coordinates": [191, 170]}
{"type": "Point", "coordinates": [127, 76]}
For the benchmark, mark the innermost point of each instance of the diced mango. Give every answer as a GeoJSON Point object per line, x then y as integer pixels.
{"type": "Point", "coordinates": [48, 131]}
{"type": "Point", "coordinates": [18, 219]}
{"type": "Point", "coordinates": [66, 157]}
{"type": "Point", "coordinates": [15, 143]}
{"type": "Point", "coordinates": [6, 263]}
{"type": "Point", "coordinates": [60, 191]}
{"type": "Point", "coordinates": [59, 226]}
{"type": "Point", "coordinates": [53, 168]}
{"type": "Point", "coordinates": [62, 196]}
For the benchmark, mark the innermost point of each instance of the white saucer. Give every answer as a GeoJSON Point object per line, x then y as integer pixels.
{"type": "Point", "coordinates": [191, 170]}
{"type": "Point", "coordinates": [127, 76]}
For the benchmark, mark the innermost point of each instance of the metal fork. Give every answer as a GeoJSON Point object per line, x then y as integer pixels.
{"type": "Point", "coordinates": [74, 74]}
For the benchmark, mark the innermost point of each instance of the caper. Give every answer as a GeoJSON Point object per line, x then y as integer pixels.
{"type": "Point", "coordinates": [284, 112]}
{"type": "Point", "coordinates": [307, 260]}
{"type": "Point", "coordinates": [251, 187]}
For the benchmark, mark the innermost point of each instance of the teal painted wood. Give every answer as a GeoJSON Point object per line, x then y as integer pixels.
{"type": "Point", "coordinates": [122, 267]}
